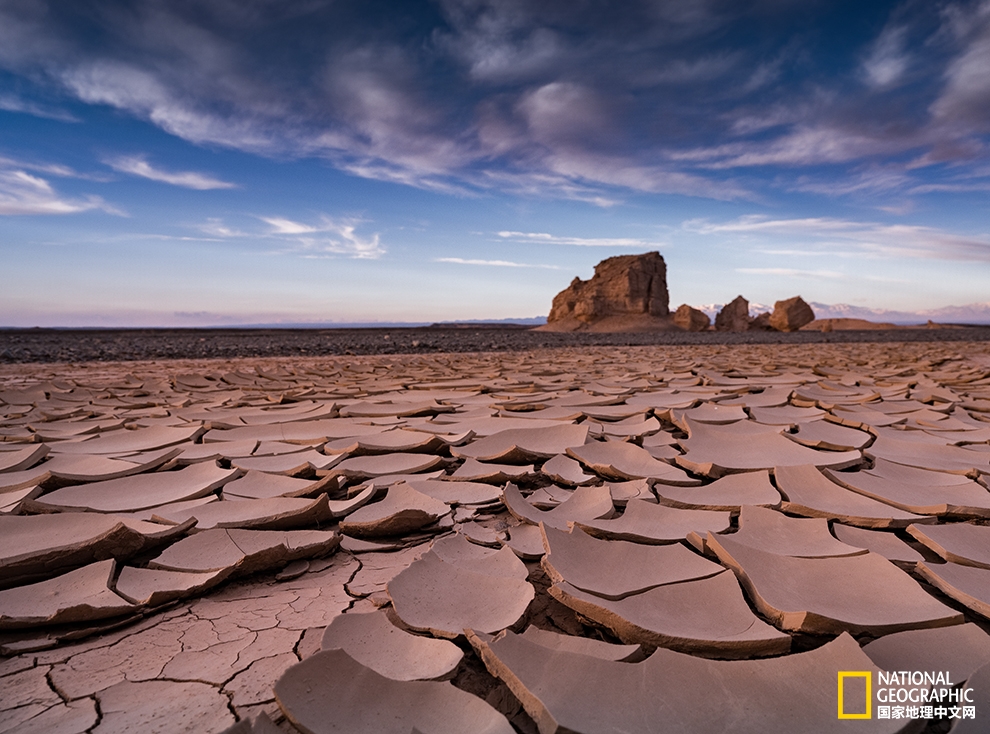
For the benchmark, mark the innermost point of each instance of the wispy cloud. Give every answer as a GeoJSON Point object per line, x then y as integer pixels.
{"type": "Point", "coordinates": [950, 188]}
{"type": "Point", "coordinates": [49, 169]}
{"type": "Point", "coordinates": [544, 238]}
{"type": "Point", "coordinates": [340, 237]}
{"type": "Point", "coordinates": [761, 223]}
{"type": "Point", "coordinates": [887, 60]}
{"type": "Point", "coordinates": [169, 237]}
{"type": "Point", "coordinates": [11, 103]}
{"type": "Point", "coordinates": [807, 144]}
{"type": "Point", "coordinates": [139, 166]}
{"type": "Point", "coordinates": [569, 101]}
{"type": "Point", "coordinates": [792, 273]}
{"type": "Point", "coordinates": [868, 238]}
{"type": "Point", "coordinates": [964, 98]}
{"type": "Point", "coordinates": [166, 94]}
{"type": "Point", "coordinates": [873, 180]}
{"type": "Point", "coordinates": [327, 237]}
{"type": "Point", "coordinates": [216, 228]}
{"type": "Point", "coordinates": [22, 193]}
{"type": "Point", "coordinates": [825, 251]}
{"type": "Point", "coordinates": [493, 263]}
{"type": "Point", "coordinates": [279, 225]}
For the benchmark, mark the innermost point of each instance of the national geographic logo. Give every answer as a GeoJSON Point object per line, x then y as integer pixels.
{"type": "Point", "coordinates": [858, 702]}
{"type": "Point", "coordinates": [903, 695]}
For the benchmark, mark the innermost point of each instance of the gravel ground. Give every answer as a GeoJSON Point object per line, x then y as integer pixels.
{"type": "Point", "coordinates": [101, 345]}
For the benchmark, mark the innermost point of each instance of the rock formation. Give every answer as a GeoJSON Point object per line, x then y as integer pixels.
{"type": "Point", "coordinates": [760, 322]}
{"type": "Point", "coordinates": [734, 316]}
{"type": "Point", "coordinates": [626, 293]}
{"type": "Point", "coordinates": [791, 315]}
{"type": "Point", "coordinates": [629, 293]}
{"type": "Point", "coordinates": [691, 319]}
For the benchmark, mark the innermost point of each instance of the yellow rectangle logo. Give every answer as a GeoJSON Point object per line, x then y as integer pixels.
{"type": "Point", "coordinates": [868, 699]}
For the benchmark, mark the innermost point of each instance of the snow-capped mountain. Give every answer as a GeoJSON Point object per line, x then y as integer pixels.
{"type": "Point", "coordinates": [973, 313]}
{"type": "Point", "coordinates": [754, 308]}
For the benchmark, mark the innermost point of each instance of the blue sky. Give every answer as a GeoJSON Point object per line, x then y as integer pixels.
{"type": "Point", "coordinates": [255, 161]}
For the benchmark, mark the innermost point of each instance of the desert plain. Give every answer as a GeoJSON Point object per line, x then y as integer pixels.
{"type": "Point", "coordinates": [581, 538]}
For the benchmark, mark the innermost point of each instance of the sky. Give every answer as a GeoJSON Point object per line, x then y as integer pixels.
{"type": "Point", "coordinates": [211, 162]}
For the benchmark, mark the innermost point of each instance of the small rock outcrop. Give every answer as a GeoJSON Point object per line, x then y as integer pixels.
{"type": "Point", "coordinates": [760, 322]}
{"type": "Point", "coordinates": [734, 316]}
{"type": "Point", "coordinates": [691, 319]}
{"type": "Point", "coordinates": [791, 315]}
{"type": "Point", "coordinates": [628, 292]}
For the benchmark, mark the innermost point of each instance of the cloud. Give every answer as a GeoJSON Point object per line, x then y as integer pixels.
{"type": "Point", "coordinates": [705, 68]}
{"type": "Point", "coordinates": [869, 239]}
{"type": "Point", "coordinates": [802, 145]}
{"type": "Point", "coordinates": [966, 95]}
{"type": "Point", "coordinates": [12, 103]}
{"type": "Point", "coordinates": [328, 237]}
{"type": "Point", "coordinates": [492, 263]}
{"type": "Point", "coordinates": [872, 180]}
{"type": "Point", "coordinates": [22, 193]}
{"type": "Point", "coordinates": [342, 238]}
{"type": "Point", "coordinates": [217, 229]}
{"type": "Point", "coordinates": [47, 168]}
{"type": "Point", "coordinates": [171, 238]}
{"type": "Point", "coordinates": [544, 238]}
{"type": "Point", "coordinates": [566, 113]}
{"type": "Point", "coordinates": [138, 166]}
{"type": "Point", "coordinates": [761, 223]}
{"type": "Point", "coordinates": [627, 173]}
{"type": "Point", "coordinates": [953, 188]}
{"type": "Point", "coordinates": [280, 225]}
{"type": "Point", "coordinates": [552, 99]}
{"type": "Point", "coordinates": [791, 272]}
{"type": "Point", "coordinates": [793, 252]}
{"type": "Point", "coordinates": [504, 59]}
{"type": "Point", "coordinates": [546, 184]}
{"type": "Point", "coordinates": [887, 61]}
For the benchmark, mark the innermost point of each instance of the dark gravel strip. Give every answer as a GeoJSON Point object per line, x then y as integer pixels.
{"type": "Point", "coordinates": [94, 345]}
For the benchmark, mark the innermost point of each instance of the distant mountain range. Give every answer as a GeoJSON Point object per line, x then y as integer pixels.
{"type": "Point", "coordinates": [530, 321]}
{"type": "Point", "coordinates": [974, 313]}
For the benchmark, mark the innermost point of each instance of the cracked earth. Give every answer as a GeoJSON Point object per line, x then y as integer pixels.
{"type": "Point", "coordinates": [491, 542]}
